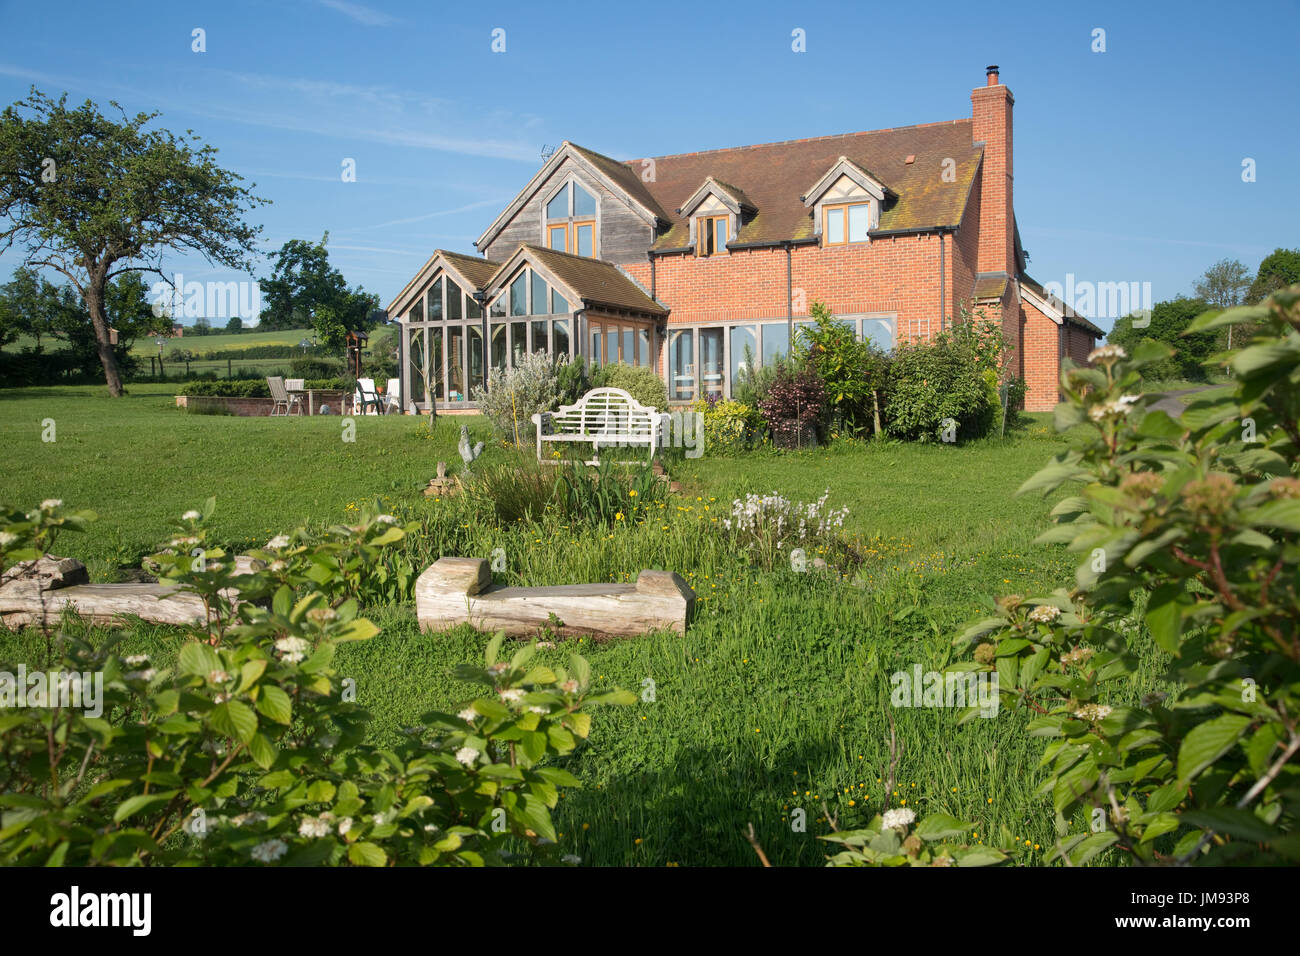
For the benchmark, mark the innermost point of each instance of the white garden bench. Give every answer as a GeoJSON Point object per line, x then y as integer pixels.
{"type": "Point", "coordinates": [604, 416]}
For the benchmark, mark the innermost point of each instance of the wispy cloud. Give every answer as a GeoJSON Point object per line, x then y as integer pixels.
{"type": "Point", "coordinates": [470, 207]}
{"type": "Point", "coordinates": [362, 14]}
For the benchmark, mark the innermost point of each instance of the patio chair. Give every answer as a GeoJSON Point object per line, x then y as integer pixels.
{"type": "Point", "coordinates": [281, 401]}
{"type": "Point", "coordinates": [366, 398]}
{"type": "Point", "coordinates": [393, 394]}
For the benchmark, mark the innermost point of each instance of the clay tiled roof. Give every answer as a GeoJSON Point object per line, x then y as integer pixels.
{"type": "Point", "coordinates": [628, 177]}
{"type": "Point", "coordinates": [773, 175]}
{"type": "Point", "coordinates": [477, 270]}
{"type": "Point", "coordinates": [599, 283]}
{"type": "Point", "coordinates": [1071, 316]}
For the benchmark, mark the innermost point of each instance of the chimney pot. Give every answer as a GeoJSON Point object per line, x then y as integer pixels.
{"type": "Point", "coordinates": [992, 72]}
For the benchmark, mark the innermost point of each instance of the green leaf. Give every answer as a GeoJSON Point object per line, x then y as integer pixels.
{"type": "Point", "coordinates": [1164, 615]}
{"type": "Point", "coordinates": [1089, 847]}
{"type": "Point", "coordinates": [1207, 742]}
{"type": "Point", "coordinates": [275, 704]}
{"type": "Point", "coordinates": [364, 853]}
{"type": "Point", "coordinates": [262, 751]}
{"type": "Point", "coordinates": [133, 805]}
{"type": "Point", "coordinates": [197, 658]}
{"type": "Point", "coordinates": [1237, 823]}
{"type": "Point", "coordinates": [941, 826]}
{"type": "Point", "coordinates": [234, 719]}
{"type": "Point", "coordinates": [493, 648]}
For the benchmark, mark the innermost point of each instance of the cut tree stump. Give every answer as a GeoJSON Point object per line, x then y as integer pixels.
{"type": "Point", "coordinates": [455, 591]}
{"type": "Point", "coordinates": [36, 592]}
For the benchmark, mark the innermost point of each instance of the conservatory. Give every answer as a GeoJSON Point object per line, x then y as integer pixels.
{"type": "Point", "coordinates": [538, 300]}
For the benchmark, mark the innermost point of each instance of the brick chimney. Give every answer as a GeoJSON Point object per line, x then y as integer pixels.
{"type": "Point", "coordinates": [991, 114]}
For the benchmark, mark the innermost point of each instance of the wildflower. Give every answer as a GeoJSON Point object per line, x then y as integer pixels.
{"type": "Point", "coordinates": [469, 713]}
{"type": "Point", "coordinates": [252, 816]}
{"type": "Point", "coordinates": [1079, 656]}
{"type": "Point", "coordinates": [49, 504]}
{"type": "Point", "coordinates": [135, 660]}
{"type": "Point", "coordinates": [467, 755]}
{"type": "Point", "coordinates": [218, 677]}
{"type": "Point", "coordinates": [189, 515]}
{"type": "Point", "coordinates": [1093, 712]}
{"type": "Point", "coordinates": [546, 645]}
{"type": "Point", "coordinates": [512, 696]}
{"type": "Point", "coordinates": [345, 825]}
{"type": "Point", "coordinates": [385, 519]}
{"type": "Point", "coordinates": [6, 539]}
{"type": "Point", "coordinates": [499, 668]}
{"type": "Point", "coordinates": [278, 542]}
{"type": "Point", "coordinates": [322, 615]}
{"type": "Point", "coordinates": [145, 675]}
{"type": "Point", "coordinates": [1116, 408]}
{"type": "Point", "coordinates": [269, 851]}
{"type": "Point", "coordinates": [898, 819]}
{"type": "Point", "coordinates": [569, 686]}
{"type": "Point", "coordinates": [570, 858]}
{"type": "Point", "coordinates": [1107, 354]}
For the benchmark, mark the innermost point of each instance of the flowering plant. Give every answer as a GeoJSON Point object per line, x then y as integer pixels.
{"type": "Point", "coordinates": [767, 526]}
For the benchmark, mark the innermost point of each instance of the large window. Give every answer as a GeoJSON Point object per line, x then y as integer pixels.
{"type": "Point", "coordinates": [711, 235]}
{"type": "Point", "coordinates": [681, 365]}
{"type": "Point", "coordinates": [571, 221]}
{"type": "Point", "coordinates": [845, 222]}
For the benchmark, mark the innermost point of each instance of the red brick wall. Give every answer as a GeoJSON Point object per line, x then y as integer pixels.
{"type": "Point", "coordinates": [1041, 338]}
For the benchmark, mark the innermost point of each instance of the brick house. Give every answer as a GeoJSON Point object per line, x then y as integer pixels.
{"type": "Point", "coordinates": [699, 262]}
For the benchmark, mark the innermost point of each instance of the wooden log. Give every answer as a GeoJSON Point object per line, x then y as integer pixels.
{"type": "Point", "coordinates": [37, 592]}
{"type": "Point", "coordinates": [455, 591]}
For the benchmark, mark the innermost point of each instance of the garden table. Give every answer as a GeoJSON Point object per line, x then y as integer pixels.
{"type": "Point", "coordinates": [311, 398]}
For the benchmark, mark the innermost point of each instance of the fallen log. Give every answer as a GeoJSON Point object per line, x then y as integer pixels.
{"type": "Point", "coordinates": [455, 591]}
{"type": "Point", "coordinates": [37, 592]}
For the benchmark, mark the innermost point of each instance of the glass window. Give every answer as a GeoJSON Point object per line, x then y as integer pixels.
{"type": "Point", "coordinates": [710, 362]}
{"type": "Point", "coordinates": [584, 203]}
{"type": "Point", "coordinates": [456, 363]}
{"type": "Point", "coordinates": [711, 235]}
{"type": "Point", "coordinates": [557, 237]}
{"type": "Point", "coordinates": [435, 301]}
{"type": "Point", "coordinates": [879, 332]}
{"type": "Point", "coordinates": [643, 346]}
{"type": "Point", "coordinates": [776, 343]}
{"type": "Point", "coordinates": [597, 345]}
{"type": "Point", "coordinates": [417, 312]}
{"type": "Point", "coordinates": [584, 235]}
{"type": "Point", "coordinates": [834, 225]}
{"type": "Point", "coordinates": [611, 344]}
{"type": "Point", "coordinates": [455, 300]}
{"type": "Point", "coordinates": [540, 295]}
{"type": "Point", "coordinates": [435, 338]}
{"type": "Point", "coordinates": [559, 304]}
{"type": "Point", "coordinates": [858, 222]}
{"type": "Point", "coordinates": [742, 339]}
{"type": "Point", "coordinates": [681, 364]}
{"type": "Point", "coordinates": [629, 346]}
{"type": "Point", "coordinates": [498, 353]}
{"type": "Point", "coordinates": [720, 233]}
{"type": "Point", "coordinates": [475, 347]}
{"type": "Point", "coordinates": [519, 294]}
{"type": "Point", "coordinates": [472, 308]}
{"type": "Point", "coordinates": [518, 342]}
{"type": "Point", "coordinates": [558, 207]}
{"type": "Point", "coordinates": [498, 307]}
{"type": "Point", "coordinates": [560, 337]}
{"type": "Point", "coordinates": [539, 343]}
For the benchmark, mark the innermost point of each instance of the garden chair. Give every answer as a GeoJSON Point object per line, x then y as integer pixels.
{"type": "Point", "coordinates": [281, 401]}
{"type": "Point", "coordinates": [393, 394]}
{"type": "Point", "coordinates": [366, 398]}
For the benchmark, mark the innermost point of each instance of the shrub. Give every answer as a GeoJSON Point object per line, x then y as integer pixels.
{"type": "Point", "coordinates": [315, 367]}
{"type": "Point", "coordinates": [854, 373]}
{"type": "Point", "coordinates": [248, 750]}
{"type": "Point", "coordinates": [571, 379]}
{"type": "Point", "coordinates": [794, 405]}
{"type": "Point", "coordinates": [639, 381]}
{"type": "Point", "coordinates": [256, 387]}
{"type": "Point", "coordinates": [932, 383]}
{"type": "Point", "coordinates": [730, 426]}
{"type": "Point", "coordinates": [520, 489]}
{"type": "Point", "coordinates": [514, 395]}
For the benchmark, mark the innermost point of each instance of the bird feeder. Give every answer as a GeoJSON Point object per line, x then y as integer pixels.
{"type": "Point", "coordinates": [356, 342]}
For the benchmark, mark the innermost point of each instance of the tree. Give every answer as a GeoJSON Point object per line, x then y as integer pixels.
{"type": "Point", "coordinates": [1168, 321]}
{"type": "Point", "coordinates": [25, 302]}
{"type": "Point", "coordinates": [94, 198]}
{"type": "Point", "coordinates": [305, 290]}
{"type": "Point", "coordinates": [1280, 268]}
{"type": "Point", "coordinates": [1223, 284]}
{"type": "Point", "coordinates": [202, 326]}
{"type": "Point", "coordinates": [234, 325]}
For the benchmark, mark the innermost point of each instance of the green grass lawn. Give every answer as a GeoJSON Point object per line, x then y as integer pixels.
{"type": "Point", "coordinates": [776, 697]}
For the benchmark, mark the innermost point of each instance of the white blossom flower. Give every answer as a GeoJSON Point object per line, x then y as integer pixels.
{"type": "Point", "coordinates": [135, 660]}
{"type": "Point", "coordinates": [269, 851]}
{"type": "Point", "coordinates": [345, 825]}
{"type": "Point", "coordinates": [1093, 712]}
{"type": "Point", "coordinates": [469, 713]}
{"type": "Point", "coordinates": [538, 710]}
{"type": "Point", "coordinates": [467, 755]}
{"type": "Point", "coordinates": [253, 816]}
{"type": "Point", "coordinates": [569, 686]}
{"type": "Point", "coordinates": [380, 818]}
{"type": "Point", "coordinates": [898, 818]}
{"type": "Point", "coordinates": [512, 696]}
{"type": "Point", "coordinates": [221, 698]}
{"type": "Point", "coordinates": [218, 676]}
{"type": "Point", "coordinates": [385, 519]}
{"type": "Point", "coordinates": [192, 515]}
{"type": "Point", "coordinates": [49, 504]}
{"type": "Point", "coordinates": [1106, 353]}
{"type": "Point", "coordinates": [313, 827]}
{"type": "Point", "coordinates": [571, 859]}
{"type": "Point", "coordinates": [500, 667]}
{"type": "Point", "coordinates": [6, 539]}
{"type": "Point", "coordinates": [546, 645]}
{"type": "Point", "coordinates": [292, 649]}
{"type": "Point", "coordinates": [278, 542]}
{"type": "Point", "coordinates": [1044, 614]}
{"type": "Point", "coordinates": [146, 675]}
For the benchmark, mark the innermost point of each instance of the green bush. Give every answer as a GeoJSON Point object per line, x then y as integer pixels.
{"type": "Point", "coordinates": [315, 367]}
{"type": "Point", "coordinates": [251, 750]}
{"type": "Point", "coordinates": [516, 394]}
{"type": "Point", "coordinates": [640, 381]}
{"type": "Point", "coordinates": [256, 387]}
{"type": "Point", "coordinates": [854, 373]}
{"type": "Point", "coordinates": [939, 382]}
{"type": "Point", "coordinates": [730, 426]}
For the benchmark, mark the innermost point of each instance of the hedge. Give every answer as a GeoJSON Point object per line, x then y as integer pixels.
{"type": "Point", "coordinates": [256, 387]}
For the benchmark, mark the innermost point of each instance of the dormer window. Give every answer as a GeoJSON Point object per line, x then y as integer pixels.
{"type": "Point", "coordinates": [571, 220]}
{"type": "Point", "coordinates": [711, 235]}
{"type": "Point", "coordinates": [846, 222]}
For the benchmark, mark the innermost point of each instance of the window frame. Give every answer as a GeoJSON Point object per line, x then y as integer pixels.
{"type": "Point", "coordinates": [844, 208]}
{"type": "Point", "coordinates": [571, 222]}
{"type": "Point", "coordinates": [706, 230]}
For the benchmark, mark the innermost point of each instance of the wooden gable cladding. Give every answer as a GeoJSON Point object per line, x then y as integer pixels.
{"type": "Point", "coordinates": [625, 228]}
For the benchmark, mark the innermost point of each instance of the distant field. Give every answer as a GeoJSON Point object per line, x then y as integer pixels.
{"type": "Point", "coordinates": [190, 341]}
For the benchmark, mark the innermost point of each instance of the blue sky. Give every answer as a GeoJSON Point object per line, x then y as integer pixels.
{"type": "Point", "coordinates": [1128, 162]}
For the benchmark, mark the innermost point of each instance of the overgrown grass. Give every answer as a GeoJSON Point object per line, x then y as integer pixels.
{"type": "Point", "coordinates": [776, 697]}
